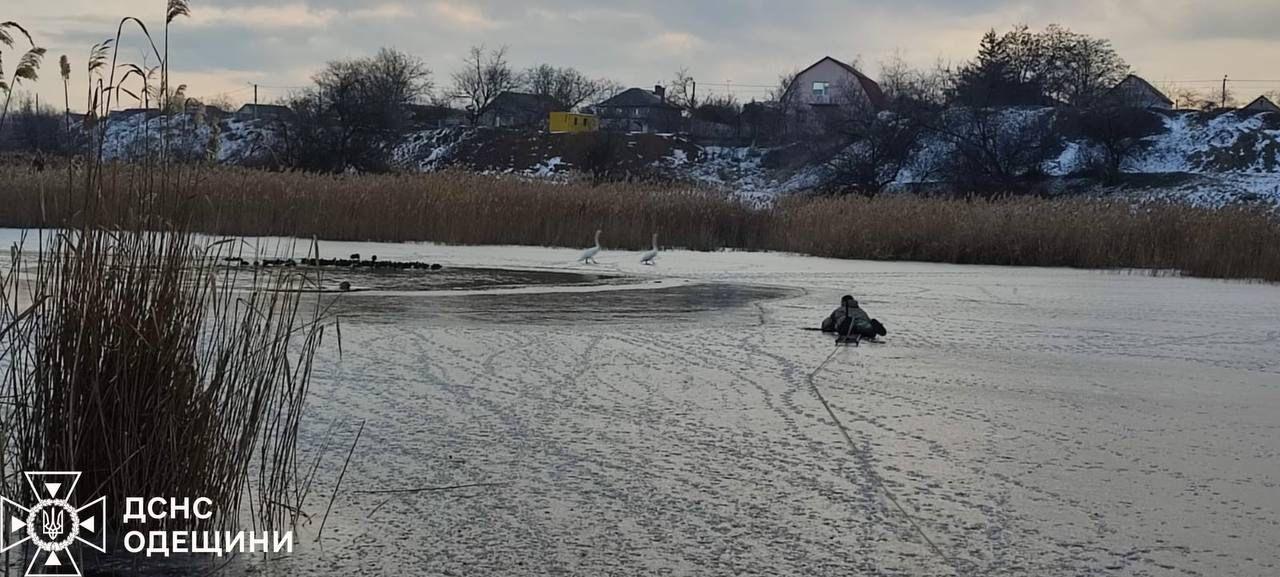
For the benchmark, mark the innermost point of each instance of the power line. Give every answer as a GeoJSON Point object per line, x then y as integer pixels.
{"type": "Point", "coordinates": [735, 84]}
{"type": "Point", "coordinates": [230, 92]}
{"type": "Point", "coordinates": [1217, 80]}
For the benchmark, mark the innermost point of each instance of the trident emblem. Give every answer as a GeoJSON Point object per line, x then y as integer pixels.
{"type": "Point", "coordinates": [52, 523]}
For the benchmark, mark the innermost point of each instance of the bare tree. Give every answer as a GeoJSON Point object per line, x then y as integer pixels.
{"type": "Point", "coordinates": [1086, 67]}
{"type": "Point", "coordinates": [682, 91]}
{"type": "Point", "coordinates": [880, 143]}
{"type": "Point", "coordinates": [905, 86]}
{"type": "Point", "coordinates": [882, 148]}
{"type": "Point", "coordinates": [896, 76]}
{"type": "Point", "coordinates": [603, 157]}
{"type": "Point", "coordinates": [543, 80]}
{"type": "Point", "coordinates": [785, 80]}
{"type": "Point", "coordinates": [1188, 98]}
{"type": "Point", "coordinates": [996, 151]}
{"type": "Point", "coordinates": [565, 85]}
{"type": "Point", "coordinates": [1185, 97]}
{"type": "Point", "coordinates": [356, 110]}
{"type": "Point", "coordinates": [1118, 131]}
{"type": "Point", "coordinates": [483, 77]}
{"type": "Point", "coordinates": [222, 102]}
{"type": "Point", "coordinates": [770, 121]}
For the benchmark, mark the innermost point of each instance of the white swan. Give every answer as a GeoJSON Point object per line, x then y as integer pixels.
{"type": "Point", "coordinates": [589, 256]}
{"type": "Point", "coordinates": [647, 258]}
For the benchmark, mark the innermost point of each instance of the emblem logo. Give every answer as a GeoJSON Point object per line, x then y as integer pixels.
{"type": "Point", "coordinates": [53, 525]}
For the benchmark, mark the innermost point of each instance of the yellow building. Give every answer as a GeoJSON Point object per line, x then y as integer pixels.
{"type": "Point", "coordinates": [573, 122]}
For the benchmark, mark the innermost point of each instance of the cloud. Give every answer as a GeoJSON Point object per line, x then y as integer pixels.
{"type": "Point", "coordinates": [642, 42]}
{"type": "Point", "coordinates": [292, 15]}
{"type": "Point", "coordinates": [381, 12]}
{"type": "Point", "coordinates": [1251, 19]}
{"type": "Point", "coordinates": [673, 43]}
{"type": "Point", "coordinates": [296, 15]}
{"type": "Point", "coordinates": [463, 15]}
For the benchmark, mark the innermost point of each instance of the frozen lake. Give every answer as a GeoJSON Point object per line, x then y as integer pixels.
{"type": "Point", "coordinates": [661, 420]}
{"type": "Point", "coordinates": [1030, 421]}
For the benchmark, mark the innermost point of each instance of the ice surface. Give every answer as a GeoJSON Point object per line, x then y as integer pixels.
{"type": "Point", "coordinates": [1032, 421]}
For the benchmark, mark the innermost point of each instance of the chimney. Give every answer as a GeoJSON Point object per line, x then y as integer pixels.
{"type": "Point", "coordinates": [661, 91]}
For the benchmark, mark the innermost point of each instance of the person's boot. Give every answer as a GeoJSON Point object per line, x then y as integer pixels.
{"type": "Point", "coordinates": [875, 324]}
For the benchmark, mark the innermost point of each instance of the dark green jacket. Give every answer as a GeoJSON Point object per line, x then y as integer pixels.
{"type": "Point", "coordinates": [860, 317]}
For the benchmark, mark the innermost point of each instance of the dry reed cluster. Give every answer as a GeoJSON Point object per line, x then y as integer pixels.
{"type": "Point", "coordinates": [451, 207]}
{"type": "Point", "coordinates": [465, 208]}
{"type": "Point", "coordinates": [128, 354]}
{"type": "Point", "coordinates": [132, 357]}
{"type": "Point", "coordinates": [1229, 242]}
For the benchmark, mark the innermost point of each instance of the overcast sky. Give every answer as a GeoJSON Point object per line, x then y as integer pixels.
{"type": "Point", "coordinates": [227, 44]}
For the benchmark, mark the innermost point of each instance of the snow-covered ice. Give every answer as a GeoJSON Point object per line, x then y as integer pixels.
{"type": "Point", "coordinates": [1031, 421]}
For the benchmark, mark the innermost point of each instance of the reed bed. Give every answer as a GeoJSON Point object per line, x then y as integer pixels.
{"type": "Point", "coordinates": [455, 208]}
{"type": "Point", "coordinates": [1230, 242]}
{"type": "Point", "coordinates": [135, 359]}
{"type": "Point", "coordinates": [465, 208]}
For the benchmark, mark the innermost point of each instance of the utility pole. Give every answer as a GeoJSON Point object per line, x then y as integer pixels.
{"type": "Point", "coordinates": [1224, 90]}
{"type": "Point", "coordinates": [255, 100]}
{"type": "Point", "coordinates": [693, 98]}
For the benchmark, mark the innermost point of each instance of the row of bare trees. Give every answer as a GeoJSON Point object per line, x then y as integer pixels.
{"type": "Point", "coordinates": [982, 149]}
{"type": "Point", "coordinates": [486, 73]}
{"type": "Point", "coordinates": [357, 109]}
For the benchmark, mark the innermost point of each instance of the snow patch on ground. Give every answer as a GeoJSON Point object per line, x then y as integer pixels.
{"type": "Point", "coordinates": [1074, 158]}
{"type": "Point", "coordinates": [547, 168]}
{"type": "Point", "coordinates": [739, 170]}
{"type": "Point", "coordinates": [428, 150]}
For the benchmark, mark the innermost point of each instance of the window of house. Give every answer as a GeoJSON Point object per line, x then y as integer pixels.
{"type": "Point", "coordinates": [820, 89]}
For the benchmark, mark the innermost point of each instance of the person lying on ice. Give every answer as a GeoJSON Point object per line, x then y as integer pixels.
{"type": "Point", "coordinates": [850, 320]}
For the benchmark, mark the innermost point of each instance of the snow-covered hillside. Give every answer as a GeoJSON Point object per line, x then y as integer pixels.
{"type": "Point", "coordinates": [1208, 158]}
{"type": "Point", "coordinates": [193, 137]}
